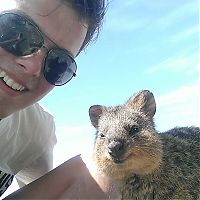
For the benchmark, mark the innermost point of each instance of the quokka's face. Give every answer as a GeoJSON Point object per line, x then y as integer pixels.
{"type": "Point", "coordinates": [126, 143]}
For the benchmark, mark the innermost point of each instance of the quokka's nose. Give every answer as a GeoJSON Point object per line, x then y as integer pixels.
{"type": "Point", "coordinates": [116, 148]}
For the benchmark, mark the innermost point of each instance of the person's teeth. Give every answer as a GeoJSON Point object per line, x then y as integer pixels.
{"type": "Point", "coordinates": [10, 82]}
{"type": "Point", "coordinates": [2, 74]}
{"type": "Point", "coordinates": [5, 78]}
{"type": "Point", "coordinates": [16, 86]}
{"type": "Point", "coordinates": [22, 88]}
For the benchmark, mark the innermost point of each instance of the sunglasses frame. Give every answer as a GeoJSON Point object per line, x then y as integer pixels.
{"type": "Point", "coordinates": [43, 36]}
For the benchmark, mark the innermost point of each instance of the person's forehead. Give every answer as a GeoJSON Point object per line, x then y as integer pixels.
{"type": "Point", "coordinates": [56, 19]}
{"type": "Point", "coordinates": [41, 7]}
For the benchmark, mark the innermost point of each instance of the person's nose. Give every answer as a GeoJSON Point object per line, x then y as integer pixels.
{"type": "Point", "coordinates": [31, 64]}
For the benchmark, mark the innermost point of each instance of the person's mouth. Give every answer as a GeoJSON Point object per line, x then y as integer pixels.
{"type": "Point", "coordinates": [10, 82]}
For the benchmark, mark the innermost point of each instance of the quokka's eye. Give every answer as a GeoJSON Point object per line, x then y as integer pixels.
{"type": "Point", "coordinates": [133, 130]}
{"type": "Point", "coordinates": [101, 135]}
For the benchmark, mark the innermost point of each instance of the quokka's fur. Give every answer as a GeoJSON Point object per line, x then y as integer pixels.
{"type": "Point", "coordinates": [150, 165]}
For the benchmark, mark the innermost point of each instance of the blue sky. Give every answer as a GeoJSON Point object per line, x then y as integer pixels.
{"type": "Point", "coordinates": [143, 45]}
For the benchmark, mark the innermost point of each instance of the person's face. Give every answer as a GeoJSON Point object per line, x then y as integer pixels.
{"type": "Point", "coordinates": [63, 26]}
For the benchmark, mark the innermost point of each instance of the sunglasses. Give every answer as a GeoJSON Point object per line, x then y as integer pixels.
{"type": "Point", "coordinates": [20, 36]}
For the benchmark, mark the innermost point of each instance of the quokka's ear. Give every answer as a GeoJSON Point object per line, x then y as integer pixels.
{"type": "Point", "coordinates": [95, 112]}
{"type": "Point", "coordinates": [143, 101]}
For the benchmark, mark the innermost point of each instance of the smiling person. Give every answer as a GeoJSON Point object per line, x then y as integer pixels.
{"type": "Point", "coordinates": [39, 40]}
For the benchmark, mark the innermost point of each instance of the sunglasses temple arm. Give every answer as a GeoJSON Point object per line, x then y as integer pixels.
{"type": "Point", "coordinates": [74, 74]}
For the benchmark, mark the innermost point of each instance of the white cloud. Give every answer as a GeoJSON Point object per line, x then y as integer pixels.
{"type": "Point", "coordinates": [179, 96]}
{"type": "Point", "coordinates": [187, 33]}
{"type": "Point", "coordinates": [175, 16]}
{"type": "Point", "coordinates": [123, 24]}
{"type": "Point", "coordinates": [179, 108]}
{"type": "Point", "coordinates": [176, 64]}
{"type": "Point", "coordinates": [120, 19]}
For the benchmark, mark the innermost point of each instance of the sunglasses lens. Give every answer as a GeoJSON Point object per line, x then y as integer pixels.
{"type": "Point", "coordinates": [59, 67]}
{"type": "Point", "coordinates": [18, 35]}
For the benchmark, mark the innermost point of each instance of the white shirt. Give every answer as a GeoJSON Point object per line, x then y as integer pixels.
{"type": "Point", "coordinates": [27, 139]}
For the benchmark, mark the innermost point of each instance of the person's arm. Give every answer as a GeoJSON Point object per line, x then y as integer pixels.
{"type": "Point", "coordinates": [72, 179]}
{"type": "Point", "coordinates": [36, 169]}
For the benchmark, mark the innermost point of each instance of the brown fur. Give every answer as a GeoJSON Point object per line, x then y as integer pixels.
{"type": "Point", "coordinates": [151, 165]}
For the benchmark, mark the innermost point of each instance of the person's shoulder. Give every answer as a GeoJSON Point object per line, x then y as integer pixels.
{"type": "Point", "coordinates": [37, 118]}
{"type": "Point", "coordinates": [36, 114]}
{"type": "Point", "coordinates": [38, 109]}
{"type": "Point", "coordinates": [40, 122]}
